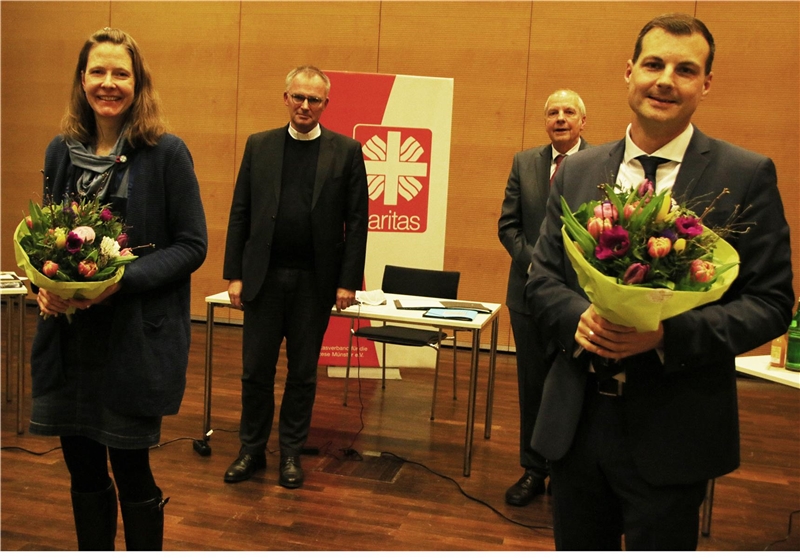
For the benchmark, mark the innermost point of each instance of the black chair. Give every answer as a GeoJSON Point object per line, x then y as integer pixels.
{"type": "Point", "coordinates": [420, 283]}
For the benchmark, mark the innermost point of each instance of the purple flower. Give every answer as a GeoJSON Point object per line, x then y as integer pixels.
{"type": "Point", "coordinates": [688, 226]}
{"type": "Point", "coordinates": [613, 243]}
{"type": "Point", "coordinates": [122, 239]}
{"type": "Point", "coordinates": [74, 242]}
{"type": "Point", "coordinates": [670, 234]}
{"type": "Point", "coordinates": [106, 215]}
{"type": "Point", "coordinates": [636, 273]}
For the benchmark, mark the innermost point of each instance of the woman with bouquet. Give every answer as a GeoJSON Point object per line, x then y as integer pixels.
{"type": "Point", "coordinates": [103, 380]}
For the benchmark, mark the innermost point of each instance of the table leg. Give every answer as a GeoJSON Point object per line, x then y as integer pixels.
{"type": "Point", "coordinates": [487, 429]}
{"type": "Point", "coordinates": [20, 363]}
{"type": "Point", "coordinates": [201, 446]}
{"type": "Point", "coordinates": [9, 306]}
{"type": "Point", "coordinates": [473, 385]}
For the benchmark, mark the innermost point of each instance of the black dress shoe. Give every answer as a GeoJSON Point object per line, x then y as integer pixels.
{"type": "Point", "coordinates": [524, 491]}
{"type": "Point", "coordinates": [244, 467]}
{"type": "Point", "coordinates": [291, 473]}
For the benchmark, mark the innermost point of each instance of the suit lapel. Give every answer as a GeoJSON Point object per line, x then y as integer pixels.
{"type": "Point", "coordinates": [695, 161]}
{"type": "Point", "coordinates": [324, 164]}
{"type": "Point", "coordinates": [612, 163]}
{"type": "Point", "coordinates": [542, 169]}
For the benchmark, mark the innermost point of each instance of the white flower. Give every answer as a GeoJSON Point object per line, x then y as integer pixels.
{"type": "Point", "coordinates": [109, 248]}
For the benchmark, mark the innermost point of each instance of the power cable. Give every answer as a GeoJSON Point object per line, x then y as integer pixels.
{"type": "Point", "coordinates": [464, 493]}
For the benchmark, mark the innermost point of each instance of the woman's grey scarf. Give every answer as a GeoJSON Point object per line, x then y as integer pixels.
{"type": "Point", "coordinates": [96, 170]}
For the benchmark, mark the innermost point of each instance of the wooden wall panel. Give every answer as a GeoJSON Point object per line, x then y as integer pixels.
{"type": "Point", "coordinates": [483, 46]}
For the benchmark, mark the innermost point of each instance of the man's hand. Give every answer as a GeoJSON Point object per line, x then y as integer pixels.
{"type": "Point", "coordinates": [606, 339]}
{"type": "Point", "coordinates": [235, 294]}
{"type": "Point", "coordinates": [344, 298]}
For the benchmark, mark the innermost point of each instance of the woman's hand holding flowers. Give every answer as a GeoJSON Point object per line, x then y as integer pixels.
{"type": "Point", "coordinates": [86, 303]}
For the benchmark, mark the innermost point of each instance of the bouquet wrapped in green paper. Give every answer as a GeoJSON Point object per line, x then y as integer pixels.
{"type": "Point", "coordinates": [73, 249]}
{"type": "Point", "coordinates": [642, 258]}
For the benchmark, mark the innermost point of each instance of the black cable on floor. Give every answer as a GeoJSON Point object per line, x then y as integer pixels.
{"type": "Point", "coordinates": [29, 451]}
{"type": "Point", "coordinates": [788, 531]}
{"type": "Point", "coordinates": [467, 495]}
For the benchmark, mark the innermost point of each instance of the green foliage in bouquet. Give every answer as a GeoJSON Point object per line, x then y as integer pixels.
{"type": "Point", "coordinates": [645, 239]}
{"type": "Point", "coordinates": [74, 241]}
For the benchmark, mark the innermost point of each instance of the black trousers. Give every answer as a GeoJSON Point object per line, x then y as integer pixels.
{"type": "Point", "coordinates": [287, 307]}
{"type": "Point", "coordinates": [531, 373]}
{"type": "Point", "coordinates": [599, 494]}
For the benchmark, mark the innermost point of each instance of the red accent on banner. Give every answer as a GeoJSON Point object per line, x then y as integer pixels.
{"type": "Point", "coordinates": [355, 98]}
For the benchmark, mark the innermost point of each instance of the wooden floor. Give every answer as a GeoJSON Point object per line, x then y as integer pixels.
{"type": "Point", "coordinates": [378, 504]}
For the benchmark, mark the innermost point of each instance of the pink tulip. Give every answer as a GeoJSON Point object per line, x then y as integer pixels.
{"type": "Point", "coordinates": [658, 247]}
{"type": "Point", "coordinates": [85, 233]}
{"type": "Point", "coordinates": [702, 271]}
{"type": "Point", "coordinates": [606, 210]}
{"type": "Point", "coordinates": [636, 273]}
{"type": "Point", "coordinates": [597, 225]}
{"type": "Point", "coordinates": [49, 268]}
{"type": "Point", "coordinates": [122, 240]}
{"type": "Point", "coordinates": [87, 268]}
{"type": "Point", "coordinates": [645, 189]}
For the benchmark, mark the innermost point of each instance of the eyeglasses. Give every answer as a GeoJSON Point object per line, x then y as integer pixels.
{"type": "Point", "coordinates": [313, 102]}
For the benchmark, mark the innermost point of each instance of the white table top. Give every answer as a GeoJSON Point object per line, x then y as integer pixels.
{"type": "Point", "coordinates": [13, 277]}
{"type": "Point", "coordinates": [758, 366]}
{"type": "Point", "coordinates": [391, 313]}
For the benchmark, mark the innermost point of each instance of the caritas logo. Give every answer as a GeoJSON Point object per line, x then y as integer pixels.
{"type": "Point", "coordinates": [398, 162]}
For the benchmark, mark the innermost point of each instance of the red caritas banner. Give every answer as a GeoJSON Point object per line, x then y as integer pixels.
{"type": "Point", "coordinates": [403, 124]}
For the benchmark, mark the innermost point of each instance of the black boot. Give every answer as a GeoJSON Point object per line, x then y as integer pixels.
{"type": "Point", "coordinates": [144, 524]}
{"type": "Point", "coordinates": [96, 519]}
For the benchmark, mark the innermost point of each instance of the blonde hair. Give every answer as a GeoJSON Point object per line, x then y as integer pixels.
{"type": "Point", "coordinates": [145, 122]}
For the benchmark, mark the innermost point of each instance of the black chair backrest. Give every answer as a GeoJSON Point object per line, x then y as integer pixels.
{"type": "Point", "coordinates": [420, 282]}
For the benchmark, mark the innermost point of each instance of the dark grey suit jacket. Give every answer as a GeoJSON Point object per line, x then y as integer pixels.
{"type": "Point", "coordinates": [682, 415]}
{"type": "Point", "coordinates": [339, 213]}
{"type": "Point", "coordinates": [522, 214]}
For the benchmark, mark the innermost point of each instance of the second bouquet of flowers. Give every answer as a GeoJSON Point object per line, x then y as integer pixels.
{"type": "Point", "coordinates": [642, 258]}
{"type": "Point", "coordinates": [74, 249]}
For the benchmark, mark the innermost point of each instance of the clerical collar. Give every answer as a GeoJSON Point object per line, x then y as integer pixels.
{"type": "Point", "coordinates": [315, 133]}
{"type": "Point", "coordinates": [673, 151]}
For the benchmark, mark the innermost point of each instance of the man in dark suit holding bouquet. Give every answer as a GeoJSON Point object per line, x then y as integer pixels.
{"type": "Point", "coordinates": [518, 228]}
{"type": "Point", "coordinates": [632, 455]}
{"type": "Point", "coordinates": [296, 245]}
